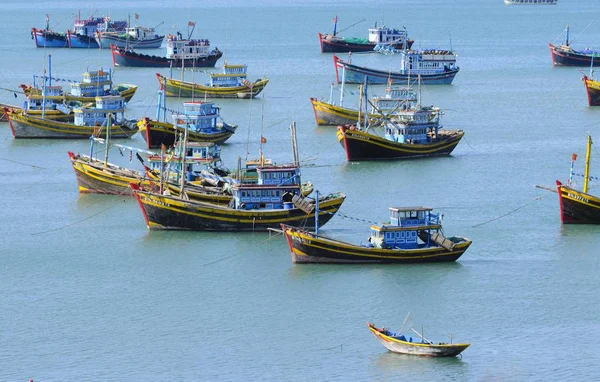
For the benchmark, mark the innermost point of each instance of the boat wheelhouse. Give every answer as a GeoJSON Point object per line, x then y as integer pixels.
{"type": "Point", "coordinates": [565, 55]}
{"type": "Point", "coordinates": [199, 156]}
{"type": "Point", "coordinates": [98, 115]}
{"type": "Point", "coordinates": [275, 189]}
{"type": "Point", "coordinates": [434, 66]}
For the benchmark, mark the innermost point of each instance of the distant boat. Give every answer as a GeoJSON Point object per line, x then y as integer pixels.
{"type": "Point", "coordinates": [47, 38]}
{"type": "Point", "coordinates": [133, 37]}
{"type": "Point", "coordinates": [87, 122]}
{"type": "Point", "coordinates": [395, 98]}
{"type": "Point", "coordinates": [332, 43]}
{"type": "Point", "coordinates": [232, 83]}
{"type": "Point", "coordinates": [202, 121]}
{"type": "Point", "coordinates": [530, 2]}
{"type": "Point", "coordinates": [433, 66]}
{"type": "Point", "coordinates": [592, 88]}
{"type": "Point", "coordinates": [84, 31]}
{"type": "Point", "coordinates": [413, 235]}
{"type": "Point", "coordinates": [565, 55]}
{"type": "Point", "coordinates": [579, 207]}
{"type": "Point", "coordinates": [398, 343]}
{"type": "Point", "coordinates": [181, 53]}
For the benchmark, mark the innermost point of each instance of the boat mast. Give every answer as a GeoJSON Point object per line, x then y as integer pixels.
{"type": "Point", "coordinates": [342, 87]}
{"type": "Point", "coordinates": [317, 213]}
{"type": "Point", "coordinates": [295, 146]}
{"type": "Point", "coordinates": [108, 126]}
{"type": "Point", "coordinates": [183, 154]}
{"type": "Point", "coordinates": [567, 30]}
{"type": "Point", "coordinates": [586, 173]}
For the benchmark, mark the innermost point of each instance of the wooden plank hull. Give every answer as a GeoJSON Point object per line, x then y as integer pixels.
{"type": "Point", "coordinates": [93, 176]}
{"type": "Point", "coordinates": [577, 207]}
{"type": "Point", "coordinates": [167, 212]}
{"type": "Point", "coordinates": [176, 88]}
{"type": "Point", "coordinates": [194, 192]}
{"type": "Point", "coordinates": [126, 91]}
{"type": "Point", "coordinates": [592, 89]}
{"type": "Point", "coordinates": [305, 247]}
{"type": "Point", "coordinates": [24, 126]}
{"type": "Point", "coordinates": [562, 57]}
{"type": "Point", "coordinates": [80, 41]}
{"type": "Point", "coordinates": [396, 345]}
{"type": "Point", "coordinates": [122, 57]}
{"type": "Point", "coordinates": [338, 45]}
{"type": "Point", "coordinates": [163, 133]}
{"type": "Point", "coordinates": [356, 75]}
{"type": "Point", "coordinates": [327, 114]}
{"type": "Point", "coordinates": [104, 40]}
{"type": "Point", "coordinates": [360, 145]}
{"type": "Point", "coordinates": [49, 39]}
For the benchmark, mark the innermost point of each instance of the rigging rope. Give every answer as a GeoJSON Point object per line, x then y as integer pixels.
{"type": "Point", "coordinates": [508, 213]}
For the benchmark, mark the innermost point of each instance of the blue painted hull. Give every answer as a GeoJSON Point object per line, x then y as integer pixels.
{"type": "Point", "coordinates": [81, 41]}
{"type": "Point", "coordinates": [356, 75]}
{"type": "Point", "coordinates": [49, 39]}
{"type": "Point", "coordinates": [105, 40]}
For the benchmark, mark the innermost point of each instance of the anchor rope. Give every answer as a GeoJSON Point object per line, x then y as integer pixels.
{"type": "Point", "coordinates": [508, 213]}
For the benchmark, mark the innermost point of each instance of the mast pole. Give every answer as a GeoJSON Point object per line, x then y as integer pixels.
{"type": "Point", "coordinates": [342, 87]}
{"type": "Point", "coordinates": [106, 140]}
{"type": "Point", "coordinates": [159, 105]}
{"type": "Point", "coordinates": [586, 174]}
{"type": "Point", "coordinates": [183, 154]}
{"type": "Point", "coordinates": [331, 93]}
{"type": "Point", "coordinates": [573, 159]}
{"type": "Point", "coordinates": [317, 213]}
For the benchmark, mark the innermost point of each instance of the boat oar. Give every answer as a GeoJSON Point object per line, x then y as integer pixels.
{"type": "Point", "coordinates": [420, 335]}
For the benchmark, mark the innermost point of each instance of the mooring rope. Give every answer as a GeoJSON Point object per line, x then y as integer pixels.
{"type": "Point", "coordinates": [508, 213]}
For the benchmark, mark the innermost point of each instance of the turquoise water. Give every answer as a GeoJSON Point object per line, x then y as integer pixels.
{"type": "Point", "coordinates": [89, 293]}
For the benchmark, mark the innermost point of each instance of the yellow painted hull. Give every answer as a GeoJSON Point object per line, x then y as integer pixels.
{"type": "Point", "coordinates": [176, 88]}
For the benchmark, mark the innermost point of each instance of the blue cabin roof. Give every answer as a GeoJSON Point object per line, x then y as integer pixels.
{"type": "Point", "coordinates": [404, 227]}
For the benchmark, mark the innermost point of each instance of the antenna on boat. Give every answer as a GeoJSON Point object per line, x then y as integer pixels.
{"type": "Point", "coordinates": [567, 32]}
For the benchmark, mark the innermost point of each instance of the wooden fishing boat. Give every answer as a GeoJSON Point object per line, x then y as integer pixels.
{"type": "Point", "coordinates": [47, 38]}
{"type": "Point", "coordinates": [530, 2]}
{"type": "Point", "coordinates": [412, 236]}
{"type": "Point", "coordinates": [201, 120]}
{"type": "Point", "coordinates": [232, 83]}
{"type": "Point", "coordinates": [579, 207]}
{"type": "Point", "coordinates": [181, 53]}
{"type": "Point", "coordinates": [332, 43]}
{"type": "Point", "coordinates": [435, 67]}
{"type": "Point", "coordinates": [133, 37]}
{"type": "Point", "coordinates": [592, 89]}
{"type": "Point", "coordinates": [52, 105]}
{"type": "Point", "coordinates": [395, 98]}
{"type": "Point", "coordinates": [84, 31]}
{"type": "Point", "coordinates": [87, 121]}
{"type": "Point", "coordinates": [565, 55]}
{"type": "Point", "coordinates": [398, 343]}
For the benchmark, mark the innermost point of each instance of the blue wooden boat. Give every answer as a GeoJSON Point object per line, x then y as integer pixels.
{"type": "Point", "coordinates": [83, 34]}
{"type": "Point", "coordinates": [565, 55]}
{"type": "Point", "coordinates": [134, 37]}
{"type": "Point", "coordinates": [413, 235]}
{"type": "Point", "coordinates": [47, 38]}
{"type": "Point", "coordinates": [433, 66]}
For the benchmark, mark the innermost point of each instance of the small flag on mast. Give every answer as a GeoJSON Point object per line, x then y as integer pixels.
{"type": "Point", "coordinates": [191, 24]}
{"type": "Point", "coordinates": [137, 17]}
{"type": "Point", "coordinates": [574, 157]}
{"type": "Point", "coordinates": [263, 139]}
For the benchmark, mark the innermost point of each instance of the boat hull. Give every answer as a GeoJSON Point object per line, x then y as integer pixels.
{"type": "Point", "coordinates": [24, 126]}
{"type": "Point", "coordinates": [305, 247]}
{"type": "Point", "coordinates": [79, 41]}
{"type": "Point", "coordinates": [561, 57]}
{"type": "Point", "coordinates": [175, 88]}
{"type": "Point", "coordinates": [355, 74]}
{"type": "Point", "coordinates": [577, 207]}
{"type": "Point", "coordinates": [592, 89]}
{"type": "Point", "coordinates": [126, 91]}
{"type": "Point", "coordinates": [167, 212]}
{"type": "Point", "coordinates": [424, 349]}
{"type": "Point", "coordinates": [104, 40]}
{"type": "Point", "coordinates": [163, 133]}
{"type": "Point", "coordinates": [122, 57]}
{"type": "Point", "coordinates": [329, 45]}
{"type": "Point", "coordinates": [327, 114]}
{"type": "Point", "coordinates": [93, 176]}
{"type": "Point", "coordinates": [49, 39]}
{"type": "Point", "coordinates": [360, 145]}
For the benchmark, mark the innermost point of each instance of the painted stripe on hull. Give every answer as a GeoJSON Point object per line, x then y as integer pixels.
{"type": "Point", "coordinates": [561, 58]}
{"type": "Point", "coordinates": [123, 58]}
{"type": "Point", "coordinates": [96, 178]}
{"type": "Point", "coordinates": [305, 248]}
{"type": "Point", "coordinates": [104, 41]}
{"type": "Point", "coordinates": [592, 89]}
{"type": "Point", "coordinates": [577, 207]}
{"type": "Point", "coordinates": [414, 348]}
{"type": "Point", "coordinates": [163, 212]}
{"type": "Point", "coordinates": [328, 46]}
{"type": "Point", "coordinates": [157, 133]}
{"type": "Point", "coordinates": [362, 146]}
{"type": "Point", "coordinates": [327, 114]}
{"type": "Point", "coordinates": [81, 41]}
{"type": "Point", "coordinates": [44, 39]}
{"type": "Point", "coordinates": [176, 88]}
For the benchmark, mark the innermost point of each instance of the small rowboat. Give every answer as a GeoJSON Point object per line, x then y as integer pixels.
{"type": "Point", "coordinates": [398, 343]}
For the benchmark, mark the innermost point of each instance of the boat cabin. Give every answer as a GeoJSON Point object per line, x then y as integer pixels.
{"type": "Point", "coordinates": [89, 26]}
{"type": "Point", "coordinates": [178, 49]}
{"type": "Point", "coordinates": [96, 83]}
{"type": "Point", "coordinates": [275, 188]}
{"type": "Point", "coordinates": [427, 61]}
{"type": "Point", "coordinates": [233, 75]}
{"type": "Point", "coordinates": [98, 115]}
{"type": "Point", "coordinates": [396, 98]}
{"type": "Point", "coordinates": [199, 156]}
{"type": "Point", "coordinates": [405, 224]}
{"type": "Point", "coordinates": [385, 35]}
{"type": "Point", "coordinates": [198, 116]}
{"type": "Point", "coordinates": [141, 33]}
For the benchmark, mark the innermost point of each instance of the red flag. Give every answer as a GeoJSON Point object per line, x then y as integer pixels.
{"type": "Point", "coordinates": [137, 17]}
{"type": "Point", "coordinates": [574, 157]}
{"type": "Point", "coordinates": [335, 19]}
{"type": "Point", "coordinates": [263, 139]}
{"type": "Point", "coordinates": [191, 24]}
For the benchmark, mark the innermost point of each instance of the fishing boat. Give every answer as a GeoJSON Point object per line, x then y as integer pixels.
{"type": "Point", "coordinates": [408, 133]}
{"type": "Point", "coordinates": [181, 53]}
{"type": "Point", "coordinates": [95, 83]}
{"type": "Point", "coordinates": [530, 2]}
{"type": "Point", "coordinates": [565, 55]}
{"type": "Point", "coordinates": [332, 43]}
{"type": "Point", "coordinates": [202, 120]}
{"type": "Point", "coordinates": [232, 83]}
{"type": "Point", "coordinates": [435, 67]}
{"type": "Point", "coordinates": [274, 200]}
{"type": "Point", "coordinates": [87, 122]}
{"type": "Point", "coordinates": [579, 207]}
{"type": "Point", "coordinates": [413, 235]}
{"type": "Point", "coordinates": [47, 38]}
{"type": "Point", "coordinates": [51, 105]}
{"type": "Point", "coordinates": [398, 343]}
{"type": "Point", "coordinates": [137, 37]}
{"type": "Point", "coordinates": [395, 98]}
{"type": "Point", "coordinates": [84, 31]}
{"type": "Point", "coordinates": [592, 89]}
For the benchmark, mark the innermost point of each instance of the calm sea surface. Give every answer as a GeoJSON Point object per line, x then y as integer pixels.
{"type": "Point", "coordinates": [89, 293]}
